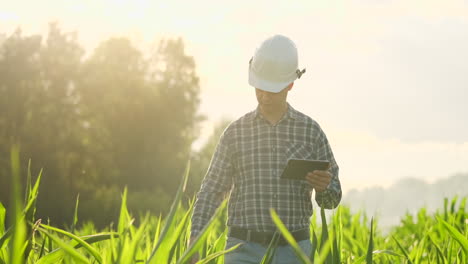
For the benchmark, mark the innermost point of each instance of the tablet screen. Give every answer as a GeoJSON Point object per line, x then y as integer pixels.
{"type": "Point", "coordinates": [298, 169]}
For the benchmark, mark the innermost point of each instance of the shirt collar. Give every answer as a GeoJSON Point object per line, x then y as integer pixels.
{"type": "Point", "coordinates": [290, 113]}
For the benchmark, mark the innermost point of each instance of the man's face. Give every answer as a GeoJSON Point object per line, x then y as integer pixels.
{"type": "Point", "coordinates": [272, 101]}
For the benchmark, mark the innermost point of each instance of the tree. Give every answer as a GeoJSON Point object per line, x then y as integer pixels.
{"type": "Point", "coordinates": [97, 124]}
{"type": "Point", "coordinates": [37, 94]}
{"type": "Point", "coordinates": [173, 73]}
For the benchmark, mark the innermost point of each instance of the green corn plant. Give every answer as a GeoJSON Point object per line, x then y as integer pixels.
{"type": "Point", "coordinates": [200, 240]}
{"type": "Point", "coordinates": [163, 255]}
{"type": "Point", "coordinates": [405, 252]}
{"type": "Point", "coordinates": [370, 248]}
{"type": "Point", "coordinates": [270, 252]}
{"type": "Point", "coordinates": [90, 249]}
{"type": "Point", "coordinates": [287, 235]}
{"type": "Point", "coordinates": [459, 237]}
{"type": "Point", "coordinates": [17, 243]}
{"type": "Point", "coordinates": [439, 238]}
{"type": "Point", "coordinates": [325, 236]}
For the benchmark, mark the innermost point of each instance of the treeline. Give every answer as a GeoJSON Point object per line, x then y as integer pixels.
{"type": "Point", "coordinates": [97, 122]}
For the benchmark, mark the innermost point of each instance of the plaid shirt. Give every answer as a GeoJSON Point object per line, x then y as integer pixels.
{"type": "Point", "coordinates": [248, 162]}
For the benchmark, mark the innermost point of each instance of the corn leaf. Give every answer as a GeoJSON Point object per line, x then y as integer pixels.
{"type": "Point", "coordinates": [80, 241]}
{"type": "Point", "coordinates": [73, 253]}
{"type": "Point", "coordinates": [170, 219]}
{"type": "Point", "coordinates": [461, 239]}
{"type": "Point", "coordinates": [18, 236]}
{"type": "Point", "coordinates": [370, 247]}
{"type": "Point", "coordinates": [287, 235]}
{"type": "Point", "coordinates": [197, 244]}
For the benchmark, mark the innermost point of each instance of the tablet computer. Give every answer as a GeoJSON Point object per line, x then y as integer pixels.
{"type": "Point", "coordinates": [297, 169]}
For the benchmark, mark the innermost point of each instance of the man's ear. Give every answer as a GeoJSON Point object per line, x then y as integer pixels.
{"type": "Point", "coordinates": [290, 86]}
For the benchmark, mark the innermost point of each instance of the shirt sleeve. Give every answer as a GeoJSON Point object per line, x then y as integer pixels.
{"type": "Point", "coordinates": [331, 197]}
{"type": "Point", "coordinates": [215, 185]}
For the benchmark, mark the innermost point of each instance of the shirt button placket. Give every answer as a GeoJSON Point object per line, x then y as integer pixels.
{"type": "Point", "coordinates": [273, 149]}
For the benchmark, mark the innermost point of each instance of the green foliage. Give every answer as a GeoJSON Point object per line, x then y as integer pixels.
{"type": "Point", "coordinates": [113, 118]}
{"type": "Point", "coordinates": [344, 238]}
{"type": "Point", "coordinates": [287, 235]}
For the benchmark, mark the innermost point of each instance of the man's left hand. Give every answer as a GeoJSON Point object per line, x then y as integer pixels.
{"type": "Point", "coordinates": [319, 180]}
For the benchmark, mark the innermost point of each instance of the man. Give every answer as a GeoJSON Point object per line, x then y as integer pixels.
{"type": "Point", "coordinates": [250, 156]}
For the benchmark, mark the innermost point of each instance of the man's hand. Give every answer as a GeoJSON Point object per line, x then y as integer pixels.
{"type": "Point", "coordinates": [319, 180]}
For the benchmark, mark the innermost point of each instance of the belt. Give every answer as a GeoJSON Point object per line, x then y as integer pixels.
{"type": "Point", "coordinates": [264, 238]}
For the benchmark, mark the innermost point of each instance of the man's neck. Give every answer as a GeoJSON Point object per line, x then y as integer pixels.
{"type": "Point", "coordinates": [274, 116]}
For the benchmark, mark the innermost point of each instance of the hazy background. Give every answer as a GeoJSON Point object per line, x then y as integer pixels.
{"type": "Point", "coordinates": [387, 80]}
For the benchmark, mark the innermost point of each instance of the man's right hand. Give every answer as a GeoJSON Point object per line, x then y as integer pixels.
{"type": "Point", "coordinates": [319, 180]}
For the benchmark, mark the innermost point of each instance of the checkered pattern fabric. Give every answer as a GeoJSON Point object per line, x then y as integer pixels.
{"type": "Point", "coordinates": [248, 162]}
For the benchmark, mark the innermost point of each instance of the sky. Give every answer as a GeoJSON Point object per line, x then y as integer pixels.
{"type": "Point", "coordinates": [386, 80]}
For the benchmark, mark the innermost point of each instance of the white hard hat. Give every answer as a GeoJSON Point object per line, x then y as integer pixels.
{"type": "Point", "coordinates": [274, 65]}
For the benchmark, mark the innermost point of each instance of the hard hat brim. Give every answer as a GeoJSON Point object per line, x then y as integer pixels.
{"type": "Point", "coordinates": [273, 87]}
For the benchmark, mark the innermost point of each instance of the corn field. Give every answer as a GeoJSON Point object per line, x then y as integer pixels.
{"type": "Point", "coordinates": [441, 237]}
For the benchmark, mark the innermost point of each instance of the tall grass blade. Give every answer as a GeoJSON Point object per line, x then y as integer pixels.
{"type": "Point", "coordinates": [172, 212]}
{"type": "Point", "coordinates": [49, 240]}
{"type": "Point", "coordinates": [461, 215]}
{"type": "Point", "coordinates": [461, 239]}
{"type": "Point", "coordinates": [80, 241]}
{"type": "Point", "coordinates": [325, 235]}
{"type": "Point", "coordinates": [336, 251]}
{"type": "Point", "coordinates": [6, 236]}
{"type": "Point", "coordinates": [452, 204]}
{"type": "Point", "coordinates": [158, 230]}
{"type": "Point", "coordinates": [388, 252]}
{"type": "Point", "coordinates": [18, 239]}
{"type": "Point", "coordinates": [217, 254]}
{"type": "Point", "coordinates": [90, 239]}
{"type": "Point", "coordinates": [54, 256]}
{"type": "Point", "coordinates": [75, 215]}
{"type": "Point", "coordinates": [66, 247]}
{"type": "Point", "coordinates": [42, 250]}
{"type": "Point", "coordinates": [2, 220]}
{"type": "Point", "coordinates": [439, 251]}
{"type": "Point", "coordinates": [403, 250]}
{"type": "Point", "coordinates": [176, 235]}
{"type": "Point", "coordinates": [30, 207]}
{"type": "Point", "coordinates": [218, 245]}
{"type": "Point", "coordinates": [113, 248]}
{"type": "Point", "coordinates": [370, 247]}
{"type": "Point", "coordinates": [270, 252]}
{"type": "Point", "coordinates": [314, 246]}
{"type": "Point", "coordinates": [446, 209]}
{"type": "Point", "coordinates": [197, 244]}
{"type": "Point", "coordinates": [124, 216]}
{"type": "Point", "coordinates": [418, 252]}
{"type": "Point", "coordinates": [287, 235]}
{"type": "Point", "coordinates": [323, 255]}
{"type": "Point", "coordinates": [375, 252]}
{"type": "Point", "coordinates": [339, 236]}
{"type": "Point", "coordinates": [28, 182]}
{"type": "Point", "coordinates": [129, 253]}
